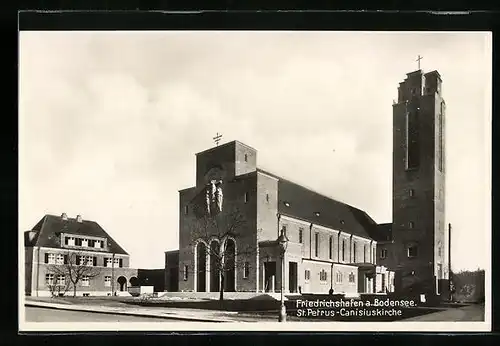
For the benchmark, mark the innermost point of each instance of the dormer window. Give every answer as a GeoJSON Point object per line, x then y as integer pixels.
{"type": "Point", "coordinates": [246, 158]}
{"type": "Point", "coordinates": [316, 213]}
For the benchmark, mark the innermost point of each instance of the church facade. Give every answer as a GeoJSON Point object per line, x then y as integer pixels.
{"type": "Point", "coordinates": [329, 243]}
{"type": "Point", "coordinates": [239, 210]}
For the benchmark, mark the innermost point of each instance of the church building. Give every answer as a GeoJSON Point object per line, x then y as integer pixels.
{"type": "Point", "coordinates": [329, 244]}
{"type": "Point", "coordinates": [241, 211]}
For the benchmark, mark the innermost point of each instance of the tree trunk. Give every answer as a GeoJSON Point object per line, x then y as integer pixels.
{"type": "Point", "coordinates": [221, 291]}
{"type": "Point", "coordinates": [74, 290]}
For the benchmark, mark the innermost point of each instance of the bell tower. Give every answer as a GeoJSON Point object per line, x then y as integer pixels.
{"type": "Point", "coordinates": [419, 184]}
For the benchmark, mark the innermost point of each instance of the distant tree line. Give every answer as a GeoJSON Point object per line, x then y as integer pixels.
{"type": "Point", "coordinates": [468, 286]}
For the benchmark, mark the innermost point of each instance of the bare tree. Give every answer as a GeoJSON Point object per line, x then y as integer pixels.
{"type": "Point", "coordinates": [57, 285]}
{"type": "Point", "coordinates": [217, 231]}
{"type": "Point", "coordinates": [75, 267]}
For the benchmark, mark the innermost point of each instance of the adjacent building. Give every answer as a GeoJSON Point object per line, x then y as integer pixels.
{"type": "Point", "coordinates": [58, 248]}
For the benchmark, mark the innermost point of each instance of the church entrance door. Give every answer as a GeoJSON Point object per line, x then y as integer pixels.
{"type": "Point", "coordinates": [201, 257]}
{"type": "Point", "coordinates": [292, 277]}
{"type": "Point", "coordinates": [270, 275]}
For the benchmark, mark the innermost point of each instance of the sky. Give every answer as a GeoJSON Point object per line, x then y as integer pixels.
{"type": "Point", "coordinates": [109, 123]}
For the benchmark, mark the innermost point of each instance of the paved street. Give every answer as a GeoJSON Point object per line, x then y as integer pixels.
{"type": "Point", "coordinates": [468, 313]}
{"type": "Point", "coordinates": [35, 314]}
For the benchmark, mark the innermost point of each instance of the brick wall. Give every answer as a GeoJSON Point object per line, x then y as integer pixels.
{"type": "Point", "coordinates": [315, 285]}
{"type": "Point", "coordinates": [28, 269]}
{"type": "Point", "coordinates": [223, 156]}
{"type": "Point", "coordinates": [421, 206]}
{"type": "Point", "coordinates": [267, 207]}
{"type": "Point", "coordinates": [243, 166]}
{"type": "Point", "coordinates": [97, 284]}
{"type": "Point", "coordinates": [191, 230]}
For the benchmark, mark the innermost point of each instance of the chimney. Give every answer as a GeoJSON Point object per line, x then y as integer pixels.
{"type": "Point", "coordinates": [79, 218]}
{"type": "Point", "coordinates": [64, 217]}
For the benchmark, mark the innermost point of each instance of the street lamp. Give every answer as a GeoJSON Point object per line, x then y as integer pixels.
{"type": "Point", "coordinates": [283, 243]}
{"type": "Point", "coordinates": [331, 281]}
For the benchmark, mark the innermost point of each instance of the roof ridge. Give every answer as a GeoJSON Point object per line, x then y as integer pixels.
{"type": "Point", "coordinates": [41, 229]}
{"type": "Point", "coordinates": [308, 188]}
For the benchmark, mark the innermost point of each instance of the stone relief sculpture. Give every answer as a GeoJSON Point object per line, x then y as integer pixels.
{"type": "Point", "coordinates": [219, 195]}
{"type": "Point", "coordinates": [214, 197]}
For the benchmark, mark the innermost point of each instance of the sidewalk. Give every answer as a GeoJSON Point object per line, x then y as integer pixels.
{"type": "Point", "coordinates": [467, 313]}
{"type": "Point", "coordinates": [193, 315]}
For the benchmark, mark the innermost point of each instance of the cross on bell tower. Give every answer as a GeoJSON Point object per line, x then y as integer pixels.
{"type": "Point", "coordinates": [418, 60]}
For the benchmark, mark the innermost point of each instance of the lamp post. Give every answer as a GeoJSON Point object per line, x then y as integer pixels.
{"type": "Point", "coordinates": [283, 243]}
{"type": "Point", "coordinates": [330, 292]}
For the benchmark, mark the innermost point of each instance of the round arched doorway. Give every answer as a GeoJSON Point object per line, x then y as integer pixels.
{"type": "Point", "coordinates": [122, 281]}
{"type": "Point", "coordinates": [134, 282]}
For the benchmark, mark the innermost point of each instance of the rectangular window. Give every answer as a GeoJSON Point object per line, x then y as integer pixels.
{"type": "Point", "coordinates": [267, 197]}
{"type": "Point", "coordinates": [330, 251]}
{"type": "Point", "coordinates": [365, 252]}
{"type": "Point", "coordinates": [343, 249]}
{"type": "Point", "coordinates": [97, 244]}
{"type": "Point", "coordinates": [246, 270]}
{"type": "Point", "coordinates": [49, 279]}
{"type": "Point", "coordinates": [102, 244]}
{"type": "Point", "coordinates": [440, 140]}
{"type": "Point", "coordinates": [307, 275]}
{"type": "Point", "coordinates": [411, 225]}
{"type": "Point", "coordinates": [51, 258]}
{"type": "Point", "coordinates": [383, 253]}
{"type": "Point", "coordinates": [300, 235]}
{"type": "Point", "coordinates": [439, 251]}
{"type": "Point", "coordinates": [354, 252]}
{"type": "Point", "coordinates": [85, 281]}
{"type": "Point", "coordinates": [323, 275]}
{"type": "Point", "coordinates": [78, 241]}
{"type": "Point", "coordinates": [120, 262]}
{"type": "Point", "coordinates": [85, 242]}
{"type": "Point", "coordinates": [186, 210]}
{"type": "Point", "coordinates": [85, 261]}
{"type": "Point", "coordinates": [60, 259]}
{"type": "Point", "coordinates": [316, 244]}
{"type": "Point", "coordinates": [107, 281]}
{"type": "Point", "coordinates": [246, 197]}
{"type": "Point", "coordinates": [61, 280]}
{"type": "Point", "coordinates": [412, 140]}
{"type": "Point", "coordinates": [186, 268]}
{"type": "Point", "coordinates": [339, 277]}
{"type": "Point", "coordinates": [411, 192]}
{"type": "Point", "coordinates": [412, 251]}
{"type": "Point", "coordinates": [108, 262]}
{"type": "Point", "coordinates": [352, 277]}
{"type": "Point", "coordinates": [70, 241]}
{"type": "Point", "coordinates": [91, 242]}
